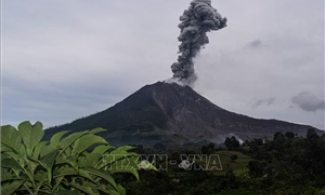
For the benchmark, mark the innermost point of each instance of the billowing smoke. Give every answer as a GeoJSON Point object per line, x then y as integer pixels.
{"type": "Point", "coordinates": [196, 21]}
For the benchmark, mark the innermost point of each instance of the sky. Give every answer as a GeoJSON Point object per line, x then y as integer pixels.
{"type": "Point", "coordinates": [62, 60]}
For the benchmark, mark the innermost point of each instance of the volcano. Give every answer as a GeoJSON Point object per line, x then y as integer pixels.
{"type": "Point", "coordinates": [170, 113]}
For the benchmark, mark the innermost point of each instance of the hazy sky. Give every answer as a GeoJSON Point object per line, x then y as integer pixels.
{"type": "Point", "coordinates": [62, 60]}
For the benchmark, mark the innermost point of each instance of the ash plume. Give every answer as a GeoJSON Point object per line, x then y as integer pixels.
{"type": "Point", "coordinates": [196, 21]}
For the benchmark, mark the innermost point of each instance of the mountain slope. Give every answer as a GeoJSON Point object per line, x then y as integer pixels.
{"type": "Point", "coordinates": [173, 113]}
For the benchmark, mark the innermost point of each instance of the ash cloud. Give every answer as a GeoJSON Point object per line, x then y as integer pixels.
{"type": "Point", "coordinates": [196, 21]}
{"type": "Point", "coordinates": [308, 101]}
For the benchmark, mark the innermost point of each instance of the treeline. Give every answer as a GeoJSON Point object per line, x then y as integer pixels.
{"type": "Point", "coordinates": [287, 164]}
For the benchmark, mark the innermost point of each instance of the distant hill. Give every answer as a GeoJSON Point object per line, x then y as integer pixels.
{"type": "Point", "coordinates": [170, 113]}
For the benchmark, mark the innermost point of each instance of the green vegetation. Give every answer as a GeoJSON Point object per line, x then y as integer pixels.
{"type": "Point", "coordinates": [285, 165]}
{"type": "Point", "coordinates": [232, 143]}
{"type": "Point", "coordinates": [80, 163]}
{"type": "Point", "coordinates": [236, 192]}
{"type": "Point", "coordinates": [239, 166]}
{"type": "Point", "coordinates": [84, 163]}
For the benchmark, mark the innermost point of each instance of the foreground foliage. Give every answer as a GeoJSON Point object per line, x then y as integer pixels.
{"type": "Point", "coordinates": [84, 163]}
{"type": "Point", "coordinates": [78, 163]}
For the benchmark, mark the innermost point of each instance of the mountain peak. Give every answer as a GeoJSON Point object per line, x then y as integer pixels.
{"type": "Point", "coordinates": [168, 112]}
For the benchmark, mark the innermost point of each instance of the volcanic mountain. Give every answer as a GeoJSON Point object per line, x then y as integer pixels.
{"type": "Point", "coordinates": [170, 113]}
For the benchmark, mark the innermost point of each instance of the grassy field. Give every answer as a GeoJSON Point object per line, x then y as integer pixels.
{"type": "Point", "coordinates": [220, 162]}
{"type": "Point", "coordinates": [239, 166]}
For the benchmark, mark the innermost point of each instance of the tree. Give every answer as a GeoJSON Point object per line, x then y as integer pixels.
{"type": "Point", "coordinates": [233, 157]}
{"type": "Point", "coordinates": [278, 135]}
{"type": "Point", "coordinates": [279, 142]}
{"type": "Point", "coordinates": [232, 143]}
{"type": "Point", "coordinates": [208, 149]}
{"type": "Point", "coordinates": [211, 146]}
{"type": "Point", "coordinates": [255, 168]}
{"type": "Point", "coordinates": [63, 165]}
{"type": "Point", "coordinates": [289, 135]}
{"type": "Point", "coordinates": [311, 133]}
{"type": "Point", "coordinates": [159, 146]}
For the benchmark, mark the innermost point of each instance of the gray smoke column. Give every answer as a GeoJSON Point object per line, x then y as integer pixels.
{"type": "Point", "coordinates": [196, 21]}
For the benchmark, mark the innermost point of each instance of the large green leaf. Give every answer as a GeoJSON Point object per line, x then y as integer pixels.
{"type": "Point", "coordinates": [86, 141]}
{"type": "Point", "coordinates": [5, 148]}
{"type": "Point", "coordinates": [39, 147]}
{"type": "Point", "coordinates": [69, 171]}
{"type": "Point", "coordinates": [121, 190]}
{"type": "Point", "coordinates": [47, 162]}
{"type": "Point", "coordinates": [125, 165]}
{"type": "Point", "coordinates": [125, 169]}
{"type": "Point", "coordinates": [31, 134]}
{"type": "Point", "coordinates": [60, 159]}
{"type": "Point", "coordinates": [102, 149]}
{"type": "Point", "coordinates": [117, 155]}
{"type": "Point", "coordinates": [42, 179]}
{"type": "Point", "coordinates": [10, 138]}
{"type": "Point", "coordinates": [57, 183]}
{"type": "Point", "coordinates": [125, 148]}
{"type": "Point", "coordinates": [56, 138]}
{"type": "Point", "coordinates": [6, 175]}
{"type": "Point", "coordinates": [102, 174]}
{"type": "Point", "coordinates": [83, 160]}
{"type": "Point", "coordinates": [67, 141]}
{"type": "Point", "coordinates": [24, 166]}
{"type": "Point", "coordinates": [97, 130]}
{"type": "Point", "coordinates": [68, 192]}
{"type": "Point", "coordinates": [13, 153]}
{"type": "Point", "coordinates": [72, 161]}
{"type": "Point", "coordinates": [30, 168]}
{"type": "Point", "coordinates": [85, 189]}
{"type": "Point", "coordinates": [13, 162]}
{"type": "Point", "coordinates": [113, 192]}
{"type": "Point", "coordinates": [46, 150]}
{"type": "Point", "coordinates": [10, 188]}
{"type": "Point", "coordinates": [10, 163]}
{"type": "Point", "coordinates": [95, 158]}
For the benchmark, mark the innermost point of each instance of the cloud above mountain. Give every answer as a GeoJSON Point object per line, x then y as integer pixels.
{"type": "Point", "coordinates": [308, 101]}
